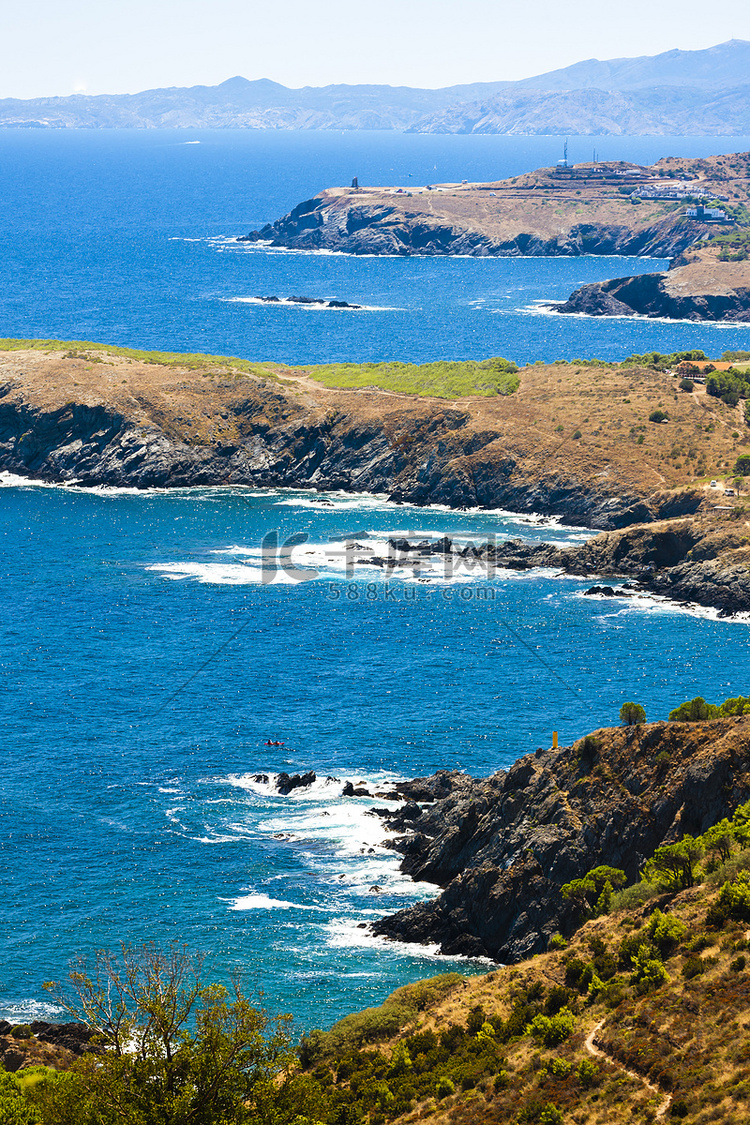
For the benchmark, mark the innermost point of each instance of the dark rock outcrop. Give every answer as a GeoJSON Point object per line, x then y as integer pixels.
{"type": "Point", "coordinates": [437, 459]}
{"type": "Point", "coordinates": [502, 847]}
{"type": "Point", "coordinates": [649, 295]}
{"type": "Point", "coordinates": [321, 302]}
{"type": "Point", "coordinates": [285, 782]}
{"type": "Point", "coordinates": [362, 228]}
{"type": "Point", "coordinates": [683, 560]}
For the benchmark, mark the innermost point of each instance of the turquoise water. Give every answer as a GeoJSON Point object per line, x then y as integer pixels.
{"type": "Point", "coordinates": [146, 661]}
{"type": "Point", "coordinates": [145, 664]}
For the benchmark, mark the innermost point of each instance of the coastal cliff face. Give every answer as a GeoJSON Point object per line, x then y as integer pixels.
{"type": "Point", "coordinates": [590, 209]}
{"type": "Point", "coordinates": [502, 847]}
{"type": "Point", "coordinates": [469, 221]}
{"type": "Point", "coordinates": [652, 295]}
{"type": "Point", "coordinates": [699, 286]}
{"type": "Point", "coordinates": [102, 419]}
{"type": "Point", "coordinates": [99, 418]}
{"type": "Point", "coordinates": [704, 560]}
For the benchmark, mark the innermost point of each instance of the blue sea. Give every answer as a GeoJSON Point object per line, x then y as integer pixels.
{"type": "Point", "coordinates": [149, 652]}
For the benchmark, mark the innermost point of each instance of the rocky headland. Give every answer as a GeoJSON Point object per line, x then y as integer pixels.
{"type": "Point", "coordinates": [603, 208]}
{"type": "Point", "coordinates": [697, 286]}
{"type": "Point", "coordinates": [571, 441]}
{"type": "Point", "coordinates": [500, 848]}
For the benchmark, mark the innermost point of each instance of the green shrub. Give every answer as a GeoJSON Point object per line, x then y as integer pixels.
{"type": "Point", "coordinates": [686, 385]}
{"type": "Point", "coordinates": [559, 1068]}
{"type": "Point", "coordinates": [14, 1108]}
{"type": "Point", "coordinates": [648, 972]}
{"type": "Point", "coordinates": [557, 941]}
{"type": "Point", "coordinates": [444, 1088]}
{"type": "Point", "coordinates": [552, 1030]}
{"type": "Point", "coordinates": [658, 416]}
{"type": "Point", "coordinates": [632, 714]}
{"type": "Point", "coordinates": [21, 1031]}
{"type": "Point", "coordinates": [694, 967]}
{"type": "Point", "coordinates": [665, 931]}
{"type": "Point", "coordinates": [733, 902]}
{"type": "Point", "coordinates": [587, 1072]}
{"type": "Point", "coordinates": [738, 965]}
{"type": "Point", "coordinates": [537, 1112]}
{"type": "Point", "coordinates": [694, 711]}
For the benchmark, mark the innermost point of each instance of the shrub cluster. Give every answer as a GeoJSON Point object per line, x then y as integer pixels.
{"type": "Point", "coordinates": [696, 710]}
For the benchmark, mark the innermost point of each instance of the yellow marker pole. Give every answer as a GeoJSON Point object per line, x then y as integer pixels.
{"type": "Point", "coordinates": [554, 740]}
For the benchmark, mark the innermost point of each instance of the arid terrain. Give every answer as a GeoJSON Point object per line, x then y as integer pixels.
{"type": "Point", "coordinates": [589, 209]}
{"type": "Point", "coordinates": [575, 440]}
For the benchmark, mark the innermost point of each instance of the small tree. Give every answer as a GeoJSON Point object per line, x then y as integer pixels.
{"type": "Point", "coordinates": [742, 465]}
{"type": "Point", "coordinates": [686, 385]}
{"type": "Point", "coordinates": [672, 867]}
{"type": "Point", "coordinates": [631, 714]}
{"type": "Point", "coordinates": [658, 416]}
{"type": "Point", "coordinates": [177, 1050]}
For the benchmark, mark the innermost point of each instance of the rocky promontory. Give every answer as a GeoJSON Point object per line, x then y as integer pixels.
{"type": "Point", "coordinates": [700, 560]}
{"type": "Point", "coordinates": [500, 848]}
{"type": "Point", "coordinates": [699, 287]}
{"type": "Point", "coordinates": [571, 441]}
{"type": "Point", "coordinates": [598, 208]}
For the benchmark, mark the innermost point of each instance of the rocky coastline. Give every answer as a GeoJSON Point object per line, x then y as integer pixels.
{"type": "Point", "coordinates": [114, 422]}
{"type": "Point", "coordinates": [693, 561]}
{"type": "Point", "coordinates": [652, 295]}
{"type": "Point", "coordinates": [500, 848]}
{"type": "Point", "coordinates": [599, 208]}
{"type": "Point", "coordinates": [346, 222]}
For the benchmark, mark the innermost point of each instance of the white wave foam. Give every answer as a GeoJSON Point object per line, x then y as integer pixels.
{"type": "Point", "coordinates": [658, 604]}
{"type": "Point", "coordinates": [223, 574]}
{"type": "Point", "coordinates": [345, 933]}
{"type": "Point", "coordinates": [543, 308]}
{"type": "Point", "coordinates": [263, 902]}
{"type": "Point", "coordinates": [24, 1011]}
{"type": "Point", "coordinates": [312, 306]}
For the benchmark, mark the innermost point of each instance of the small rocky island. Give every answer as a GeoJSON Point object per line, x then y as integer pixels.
{"type": "Point", "coordinates": [316, 302]}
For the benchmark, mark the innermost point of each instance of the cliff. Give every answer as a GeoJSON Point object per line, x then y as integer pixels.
{"type": "Point", "coordinates": [704, 560]}
{"type": "Point", "coordinates": [590, 210]}
{"type": "Point", "coordinates": [567, 442]}
{"type": "Point", "coordinates": [571, 441]}
{"type": "Point", "coordinates": [700, 287]}
{"type": "Point", "coordinates": [502, 847]}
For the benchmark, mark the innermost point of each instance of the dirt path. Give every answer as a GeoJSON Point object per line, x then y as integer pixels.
{"type": "Point", "coordinates": [597, 1052]}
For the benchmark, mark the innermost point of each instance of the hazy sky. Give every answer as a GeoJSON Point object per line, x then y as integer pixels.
{"type": "Point", "coordinates": [122, 46]}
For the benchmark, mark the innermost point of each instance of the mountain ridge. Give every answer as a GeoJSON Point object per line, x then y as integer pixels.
{"type": "Point", "coordinates": [632, 91]}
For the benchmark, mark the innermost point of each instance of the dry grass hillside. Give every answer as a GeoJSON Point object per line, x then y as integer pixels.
{"type": "Point", "coordinates": [576, 1035]}
{"type": "Point", "coordinates": [577, 421]}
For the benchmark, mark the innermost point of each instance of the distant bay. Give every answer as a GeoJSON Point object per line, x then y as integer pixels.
{"type": "Point", "coordinates": [126, 236]}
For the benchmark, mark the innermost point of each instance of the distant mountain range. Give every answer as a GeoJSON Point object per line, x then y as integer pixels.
{"type": "Point", "coordinates": [678, 92]}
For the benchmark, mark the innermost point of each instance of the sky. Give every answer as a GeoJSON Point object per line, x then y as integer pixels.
{"type": "Point", "coordinates": [58, 47]}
